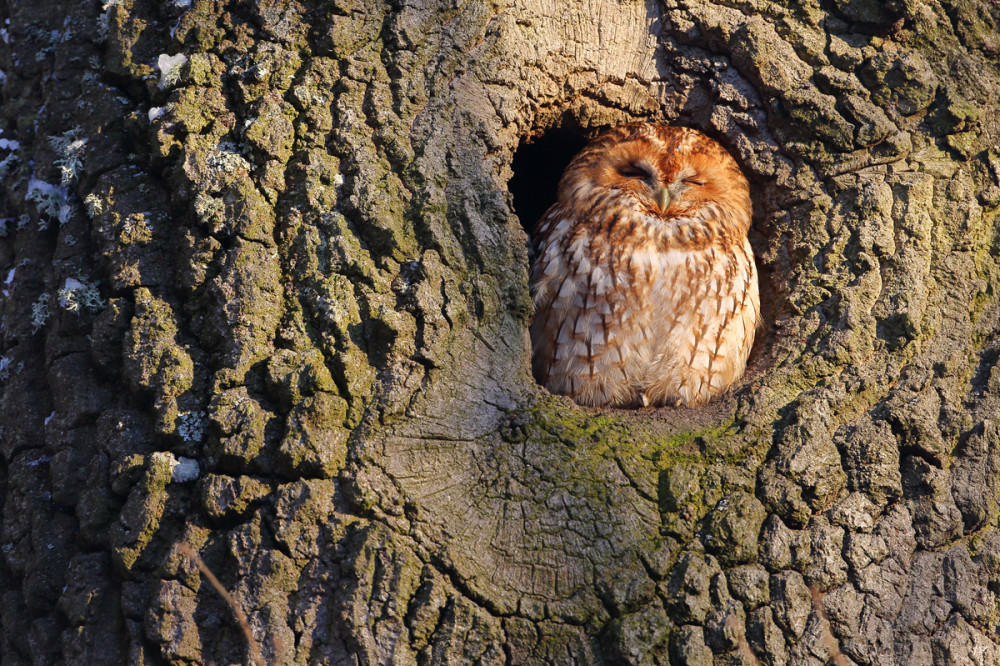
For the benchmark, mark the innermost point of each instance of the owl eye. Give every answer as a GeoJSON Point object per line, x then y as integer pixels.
{"type": "Point", "coordinates": [694, 181]}
{"type": "Point", "coordinates": [634, 171]}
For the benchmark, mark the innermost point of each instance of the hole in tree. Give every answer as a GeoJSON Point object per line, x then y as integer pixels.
{"type": "Point", "coordinates": [538, 165]}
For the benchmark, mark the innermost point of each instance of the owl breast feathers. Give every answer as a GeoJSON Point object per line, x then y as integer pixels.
{"type": "Point", "coordinates": [644, 283]}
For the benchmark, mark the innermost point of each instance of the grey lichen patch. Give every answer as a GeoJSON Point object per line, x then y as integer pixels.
{"type": "Point", "coordinates": [173, 69]}
{"type": "Point", "coordinates": [210, 211]}
{"type": "Point", "coordinates": [213, 163]}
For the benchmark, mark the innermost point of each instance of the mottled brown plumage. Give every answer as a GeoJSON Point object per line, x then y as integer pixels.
{"type": "Point", "coordinates": [644, 283]}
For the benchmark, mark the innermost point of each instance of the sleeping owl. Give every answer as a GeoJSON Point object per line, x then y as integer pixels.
{"type": "Point", "coordinates": [644, 283]}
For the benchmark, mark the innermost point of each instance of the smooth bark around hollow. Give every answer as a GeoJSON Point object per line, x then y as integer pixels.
{"type": "Point", "coordinates": [263, 295]}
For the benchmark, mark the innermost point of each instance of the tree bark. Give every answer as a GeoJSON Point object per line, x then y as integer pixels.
{"type": "Point", "coordinates": [264, 295]}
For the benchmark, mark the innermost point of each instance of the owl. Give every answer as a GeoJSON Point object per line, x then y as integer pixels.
{"type": "Point", "coordinates": [643, 282]}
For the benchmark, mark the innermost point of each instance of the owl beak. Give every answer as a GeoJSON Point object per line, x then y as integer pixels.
{"type": "Point", "coordinates": [663, 198]}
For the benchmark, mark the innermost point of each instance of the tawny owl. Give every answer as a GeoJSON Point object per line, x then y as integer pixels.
{"type": "Point", "coordinates": [644, 282]}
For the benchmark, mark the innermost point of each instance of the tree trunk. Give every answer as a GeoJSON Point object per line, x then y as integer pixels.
{"type": "Point", "coordinates": [264, 296]}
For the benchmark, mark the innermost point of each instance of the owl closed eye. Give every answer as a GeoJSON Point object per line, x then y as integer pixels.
{"type": "Point", "coordinates": [644, 283]}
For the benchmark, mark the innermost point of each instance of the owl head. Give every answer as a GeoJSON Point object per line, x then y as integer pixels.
{"type": "Point", "coordinates": [676, 176]}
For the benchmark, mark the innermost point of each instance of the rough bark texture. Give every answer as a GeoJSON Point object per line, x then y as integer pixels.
{"type": "Point", "coordinates": [269, 299]}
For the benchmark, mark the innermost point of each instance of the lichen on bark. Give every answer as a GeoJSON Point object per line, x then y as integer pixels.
{"type": "Point", "coordinates": [315, 289]}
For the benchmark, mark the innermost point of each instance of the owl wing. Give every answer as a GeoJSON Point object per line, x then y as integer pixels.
{"type": "Point", "coordinates": [548, 274]}
{"type": "Point", "coordinates": [574, 348]}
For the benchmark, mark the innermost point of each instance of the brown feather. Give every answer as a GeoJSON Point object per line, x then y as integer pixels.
{"type": "Point", "coordinates": [637, 305]}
